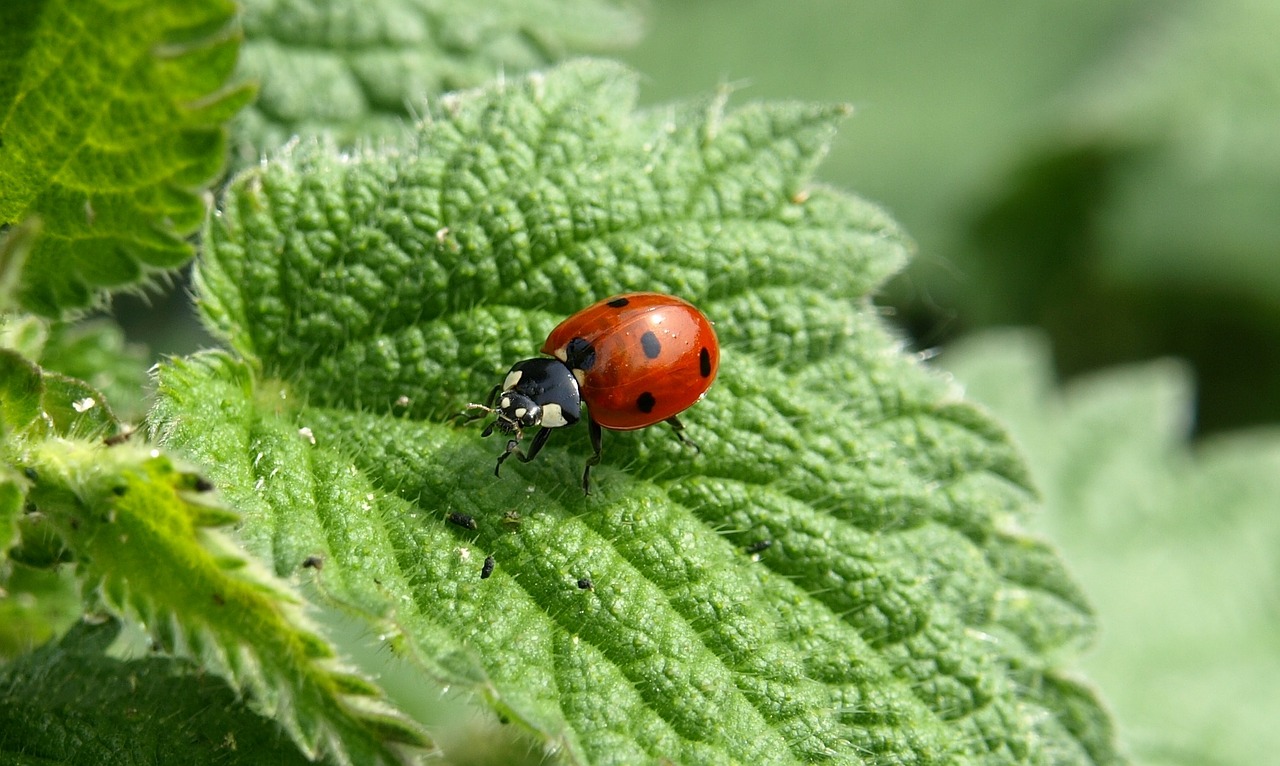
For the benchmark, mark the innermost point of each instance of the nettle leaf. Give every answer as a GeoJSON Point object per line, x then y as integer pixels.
{"type": "Point", "coordinates": [142, 532]}
{"type": "Point", "coordinates": [839, 573]}
{"type": "Point", "coordinates": [128, 514]}
{"type": "Point", "coordinates": [1177, 541]}
{"type": "Point", "coordinates": [355, 69]}
{"type": "Point", "coordinates": [69, 702]}
{"type": "Point", "coordinates": [111, 122]}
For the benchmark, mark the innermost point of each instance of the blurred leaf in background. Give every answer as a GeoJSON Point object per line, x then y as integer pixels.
{"type": "Point", "coordinates": [1107, 170]}
{"type": "Point", "coordinates": [358, 70]}
{"type": "Point", "coordinates": [1177, 546]}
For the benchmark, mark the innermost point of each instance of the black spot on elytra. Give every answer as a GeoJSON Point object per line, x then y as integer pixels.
{"type": "Point", "coordinates": [651, 345]}
{"type": "Point", "coordinates": [580, 354]}
{"type": "Point", "coordinates": [704, 362]}
{"type": "Point", "coordinates": [645, 402]}
{"type": "Point", "coordinates": [618, 303]}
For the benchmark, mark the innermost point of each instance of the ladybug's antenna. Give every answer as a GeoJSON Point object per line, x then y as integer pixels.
{"type": "Point", "coordinates": [502, 423]}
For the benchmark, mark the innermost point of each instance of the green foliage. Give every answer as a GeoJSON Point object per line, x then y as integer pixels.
{"type": "Point", "coordinates": [124, 513]}
{"type": "Point", "coordinates": [1176, 543]}
{"type": "Point", "coordinates": [839, 574]}
{"type": "Point", "coordinates": [1105, 170]}
{"type": "Point", "coordinates": [899, 614]}
{"type": "Point", "coordinates": [1192, 116]}
{"type": "Point", "coordinates": [108, 130]}
{"type": "Point", "coordinates": [358, 70]}
{"type": "Point", "coordinates": [70, 703]}
{"type": "Point", "coordinates": [94, 351]}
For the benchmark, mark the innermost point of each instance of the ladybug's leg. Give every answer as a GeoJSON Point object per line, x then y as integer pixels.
{"type": "Point", "coordinates": [678, 427]}
{"type": "Point", "coordinates": [513, 448]}
{"type": "Point", "coordinates": [597, 441]}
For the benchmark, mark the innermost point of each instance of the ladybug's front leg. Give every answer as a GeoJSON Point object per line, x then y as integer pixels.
{"type": "Point", "coordinates": [597, 441]}
{"type": "Point", "coordinates": [513, 448]}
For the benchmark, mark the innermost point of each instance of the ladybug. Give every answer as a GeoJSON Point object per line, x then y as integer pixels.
{"type": "Point", "coordinates": [635, 360]}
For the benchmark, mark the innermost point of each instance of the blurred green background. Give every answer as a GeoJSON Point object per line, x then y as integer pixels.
{"type": "Point", "coordinates": [1106, 170]}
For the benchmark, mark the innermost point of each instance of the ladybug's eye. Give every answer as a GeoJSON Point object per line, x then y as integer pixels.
{"type": "Point", "coordinates": [531, 416]}
{"type": "Point", "coordinates": [518, 410]}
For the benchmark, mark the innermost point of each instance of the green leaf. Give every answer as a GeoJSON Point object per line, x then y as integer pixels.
{"type": "Point", "coordinates": [899, 614]}
{"type": "Point", "coordinates": [1192, 115]}
{"type": "Point", "coordinates": [141, 532]}
{"type": "Point", "coordinates": [354, 69]}
{"type": "Point", "coordinates": [111, 122]}
{"type": "Point", "coordinates": [71, 703]}
{"type": "Point", "coordinates": [1176, 541]}
{"type": "Point", "coordinates": [94, 351]}
{"type": "Point", "coordinates": [127, 514]}
{"type": "Point", "coordinates": [98, 353]}
{"type": "Point", "coordinates": [36, 605]}
{"type": "Point", "coordinates": [20, 392]}
{"type": "Point", "coordinates": [12, 494]}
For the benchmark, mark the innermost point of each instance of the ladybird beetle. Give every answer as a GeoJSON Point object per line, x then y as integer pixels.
{"type": "Point", "coordinates": [634, 360]}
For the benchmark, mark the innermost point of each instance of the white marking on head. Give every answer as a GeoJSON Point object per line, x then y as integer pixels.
{"type": "Point", "coordinates": [553, 416]}
{"type": "Point", "coordinates": [505, 403]}
{"type": "Point", "coordinates": [512, 379]}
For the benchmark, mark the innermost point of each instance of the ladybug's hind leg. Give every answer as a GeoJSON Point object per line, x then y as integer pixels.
{"type": "Point", "coordinates": [597, 442]}
{"type": "Point", "coordinates": [678, 427]}
{"type": "Point", "coordinates": [513, 448]}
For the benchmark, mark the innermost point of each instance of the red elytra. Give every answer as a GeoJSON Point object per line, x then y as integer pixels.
{"type": "Point", "coordinates": [647, 357]}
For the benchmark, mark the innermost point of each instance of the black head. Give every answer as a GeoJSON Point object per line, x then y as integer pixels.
{"type": "Point", "coordinates": [536, 392]}
{"type": "Point", "coordinates": [516, 412]}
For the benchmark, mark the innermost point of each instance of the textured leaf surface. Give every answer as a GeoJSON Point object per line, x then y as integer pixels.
{"type": "Point", "coordinates": [355, 69]}
{"type": "Point", "coordinates": [111, 120]}
{"type": "Point", "coordinates": [141, 532]}
{"type": "Point", "coordinates": [898, 615]}
{"type": "Point", "coordinates": [69, 703]}
{"type": "Point", "coordinates": [1176, 543]}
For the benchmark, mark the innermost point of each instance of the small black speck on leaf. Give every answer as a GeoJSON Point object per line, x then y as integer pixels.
{"type": "Point", "coordinates": [118, 438]}
{"type": "Point", "coordinates": [462, 520]}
